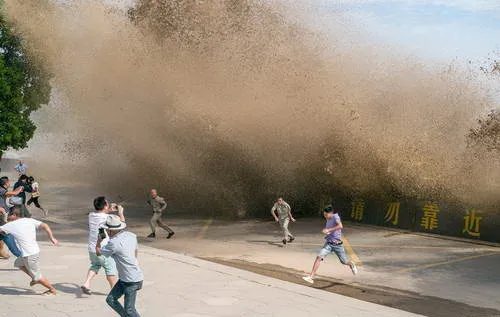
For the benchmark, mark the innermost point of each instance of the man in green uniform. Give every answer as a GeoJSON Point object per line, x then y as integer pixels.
{"type": "Point", "coordinates": [158, 205]}
{"type": "Point", "coordinates": [283, 217]}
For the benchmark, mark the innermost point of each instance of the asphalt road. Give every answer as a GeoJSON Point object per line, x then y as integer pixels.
{"type": "Point", "coordinates": [391, 261]}
{"type": "Point", "coordinates": [421, 274]}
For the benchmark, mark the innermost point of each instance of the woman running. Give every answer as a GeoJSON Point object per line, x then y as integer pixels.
{"type": "Point", "coordinates": [35, 195]}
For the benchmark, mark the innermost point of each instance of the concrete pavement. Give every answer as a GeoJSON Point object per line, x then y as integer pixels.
{"type": "Point", "coordinates": [175, 285]}
{"type": "Point", "coordinates": [425, 275]}
{"type": "Point", "coordinates": [462, 278]}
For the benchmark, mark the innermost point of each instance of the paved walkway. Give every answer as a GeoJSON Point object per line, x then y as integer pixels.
{"type": "Point", "coordinates": [175, 285]}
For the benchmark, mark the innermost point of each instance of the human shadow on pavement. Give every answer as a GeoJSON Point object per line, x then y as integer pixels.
{"type": "Point", "coordinates": [276, 244]}
{"type": "Point", "coordinates": [8, 270]}
{"type": "Point", "coordinates": [8, 290]}
{"type": "Point", "coordinates": [72, 288]}
{"type": "Point", "coordinates": [325, 284]}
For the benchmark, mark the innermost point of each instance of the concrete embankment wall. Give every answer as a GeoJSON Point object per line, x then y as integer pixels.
{"type": "Point", "coordinates": [473, 222]}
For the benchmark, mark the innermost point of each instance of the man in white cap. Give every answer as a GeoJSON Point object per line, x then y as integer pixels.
{"type": "Point", "coordinates": [122, 247]}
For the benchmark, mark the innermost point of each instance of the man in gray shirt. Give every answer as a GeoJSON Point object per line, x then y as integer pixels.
{"type": "Point", "coordinates": [122, 247]}
{"type": "Point", "coordinates": [158, 205]}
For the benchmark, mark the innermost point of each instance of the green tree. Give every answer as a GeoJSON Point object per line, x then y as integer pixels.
{"type": "Point", "coordinates": [24, 87]}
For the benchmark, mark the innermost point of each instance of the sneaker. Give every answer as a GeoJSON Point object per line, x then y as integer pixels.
{"type": "Point", "coordinates": [85, 290]}
{"type": "Point", "coordinates": [284, 241]}
{"type": "Point", "coordinates": [170, 235]}
{"type": "Point", "coordinates": [152, 235]}
{"type": "Point", "coordinates": [354, 269]}
{"type": "Point", "coordinates": [291, 239]}
{"type": "Point", "coordinates": [308, 279]}
{"type": "Point", "coordinates": [50, 292]}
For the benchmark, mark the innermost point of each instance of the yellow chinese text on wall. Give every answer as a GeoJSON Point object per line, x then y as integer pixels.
{"type": "Point", "coordinates": [358, 209]}
{"type": "Point", "coordinates": [472, 223]}
{"type": "Point", "coordinates": [430, 220]}
{"type": "Point", "coordinates": [392, 214]}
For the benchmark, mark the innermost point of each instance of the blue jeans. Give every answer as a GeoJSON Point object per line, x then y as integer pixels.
{"type": "Point", "coordinates": [129, 289]}
{"type": "Point", "coordinates": [338, 249]}
{"type": "Point", "coordinates": [9, 241]}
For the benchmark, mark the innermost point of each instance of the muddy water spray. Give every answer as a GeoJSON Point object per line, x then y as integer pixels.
{"type": "Point", "coordinates": [234, 107]}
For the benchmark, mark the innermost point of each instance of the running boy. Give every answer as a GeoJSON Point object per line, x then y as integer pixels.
{"type": "Point", "coordinates": [333, 231]}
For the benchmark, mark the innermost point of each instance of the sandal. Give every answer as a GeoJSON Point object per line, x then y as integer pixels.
{"type": "Point", "coordinates": [50, 292]}
{"type": "Point", "coordinates": [86, 290]}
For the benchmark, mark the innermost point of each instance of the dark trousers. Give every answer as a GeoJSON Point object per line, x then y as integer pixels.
{"type": "Point", "coordinates": [35, 201]}
{"type": "Point", "coordinates": [9, 241]}
{"type": "Point", "coordinates": [129, 289]}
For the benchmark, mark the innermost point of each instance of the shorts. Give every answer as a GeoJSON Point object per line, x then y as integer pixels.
{"type": "Point", "coordinates": [337, 248]}
{"type": "Point", "coordinates": [31, 263]}
{"type": "Point", "coordinates": [107, 262]}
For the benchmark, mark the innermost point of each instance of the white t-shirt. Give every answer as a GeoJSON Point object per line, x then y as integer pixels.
{"type": "Point", "coordinates": [95, 220]}
{"type": "Point", "coordinates": [24, 232]}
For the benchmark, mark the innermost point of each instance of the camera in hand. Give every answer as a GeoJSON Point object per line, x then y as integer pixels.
{"type": "Point", "coordinates": [102, 234]}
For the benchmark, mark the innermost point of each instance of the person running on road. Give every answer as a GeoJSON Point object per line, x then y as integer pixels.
{"type": "Point", "coordinates": [23, 182]}
{"type": "Point", "coordinates": [159, 205]}
{"type": "Point", "coordinates": [333, 243]}
{"type": "Point", "coordinates": [35, 195]}
{"type": "Point", "coordinates": [122, 247]}
{"type": "Point", "coordinates": [96, 219]}
{"type": "Point", "coordinates": [24, 232]}
{"type": "Point", "coordinates": [7, 239]}
{"type": "Point", "coordinates": [21, 168]}
{"type": "Point", "coordinates": [284, 216]}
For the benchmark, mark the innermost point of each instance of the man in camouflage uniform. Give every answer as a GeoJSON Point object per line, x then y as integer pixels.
{"type": "Point", "coordinates": [159, 205]}
{"type": "Point", "coordinates": [284, 216]}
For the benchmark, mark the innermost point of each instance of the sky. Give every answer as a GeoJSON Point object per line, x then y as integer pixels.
{"type": "Point", "coordinates": [439, 30]}
{"type": "Point", "coordinates": [432, 29]}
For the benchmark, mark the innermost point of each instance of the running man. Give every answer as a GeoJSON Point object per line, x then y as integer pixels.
{"type": "Point", "coordinates": [284, 216]}
{"type": "Point", "coordinates": [96, 219]}
{"type": "Point", "coordinates": [24, 232]}
{"type": "Point", "coordinates": [23, 182]}
{"type": "Point", "coordinates": [122, 247]}
{"type": "Point", "coordinates": [7, 239]}
{"type": "Point", "coordinates": [333, 243]}
{"type": "Point", "coordinates": [159, 205]}
{"type": "Point", "coordinates": [21, 168]}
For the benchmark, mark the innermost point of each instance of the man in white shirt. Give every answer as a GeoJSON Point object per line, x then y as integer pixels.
{"type": "Point", "coordinates": [24, 232]}
{"type": "Point", "coordinates": [96, 219]}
